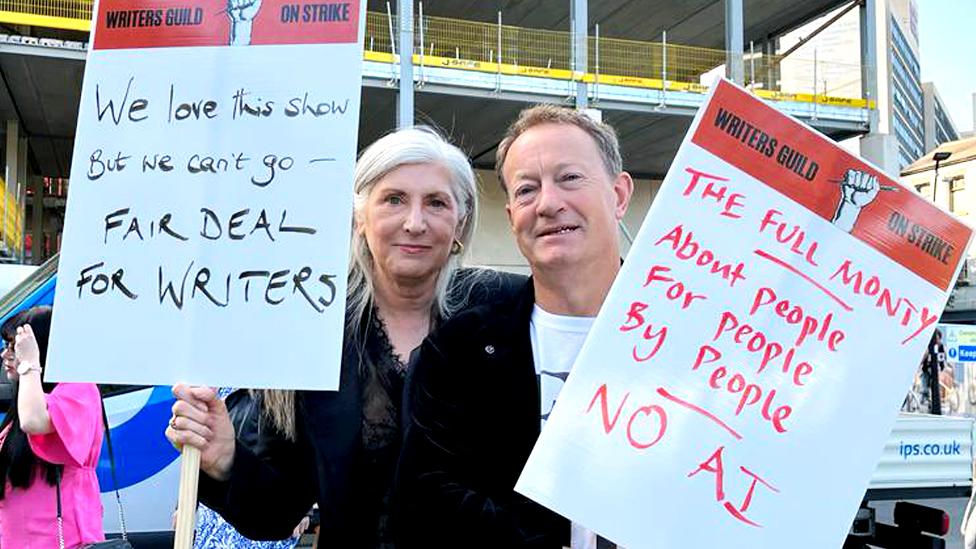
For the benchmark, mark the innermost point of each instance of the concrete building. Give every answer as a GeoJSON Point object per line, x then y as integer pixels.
{"type": "Point", "coordinates": [972, 130]}
{"type": "Point", "coordinates": [911, 120]}
{"type": "Point", "coordinates": [953, 188]}
{"type": "Point", "coordinates": [475, 65]}
{"type": "Point", "coordinates": [939, 128]}
{"type": "Point", "coordinates": [906, 100]}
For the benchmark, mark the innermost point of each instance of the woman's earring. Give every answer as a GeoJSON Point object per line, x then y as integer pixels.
{"type": "Point", "coordinates": [457, 248]}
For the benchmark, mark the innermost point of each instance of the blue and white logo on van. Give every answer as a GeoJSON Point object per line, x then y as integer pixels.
{"type": "Point", "coordinates": [967, 353]}
{"type": "Point", "coordinates": [140, 445]}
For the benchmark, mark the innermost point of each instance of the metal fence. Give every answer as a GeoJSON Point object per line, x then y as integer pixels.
{"type": "Point", "coordinates": [611, 60]}
{"type": "Point", "coordinates": [658, 60]}
{"type": "Point", "coordinates": [546, 52]}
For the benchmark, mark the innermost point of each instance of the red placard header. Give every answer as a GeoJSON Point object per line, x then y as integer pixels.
{"type": "Point", "coordinates": [124, 24]}
{"type": "Point", "coordinates": [799, 163]}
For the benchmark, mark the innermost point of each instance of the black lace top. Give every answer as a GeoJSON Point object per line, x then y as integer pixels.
{"type": "Point", "coordinates": [384, 374]}
{"type": "Point", "coordinates": [347, 447]}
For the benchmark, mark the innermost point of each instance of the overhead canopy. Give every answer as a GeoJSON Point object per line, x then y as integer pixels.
{"type": "Point", "coordinates": [43, 92]}
{"type": "Point", "coordinates": [690, 22]}
{"type": "Point", "coordinates": [41, 89]}
{"type": "Point", "coordinates": [648, 140]}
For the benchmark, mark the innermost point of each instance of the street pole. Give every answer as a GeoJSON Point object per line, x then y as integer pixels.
{"type": "Point", "coordinates": [939, 156]}
{"type": "Point", "coordinates": [933, 352]}
{"type": "Point", "coordinates": [936, 397]}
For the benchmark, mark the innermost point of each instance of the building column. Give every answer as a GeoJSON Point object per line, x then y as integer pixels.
{"type": "Point", "coordinates": [579, 27]}
{"type": "Point", "coordinates": [405, 89]}
{"type": "Point", "coordinates": [11, 177]}
{"type": "Point", "coordinates": [37, 220]}
{"type": "Point", "coordinates": [869, 59]}
{"type": "Point", "coordinates": [771, 78]}
{"type": "Point", "coordinates": [734, 41]}
{"type": "Point", "coordinates": [21, 197]}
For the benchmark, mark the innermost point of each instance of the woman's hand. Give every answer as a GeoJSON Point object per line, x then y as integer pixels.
{"type": "Point", "coordinates": [25, 346]}
{"type": "Point", "coordinates": [302, 526]}
{"type": "Point", "coordinates": [200, 419]}
{"type": "Point", "coordinates": [31, 403]}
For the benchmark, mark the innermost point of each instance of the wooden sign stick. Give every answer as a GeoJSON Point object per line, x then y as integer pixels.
{"type": "Point", "coordinates": [186, 510]}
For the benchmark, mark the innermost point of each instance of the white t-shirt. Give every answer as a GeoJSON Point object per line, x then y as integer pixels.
{"type": "Point", "coordinates": [556, 341]}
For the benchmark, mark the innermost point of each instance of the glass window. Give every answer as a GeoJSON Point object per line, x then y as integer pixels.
{"type": "Point", "coordinates": [957, 186]}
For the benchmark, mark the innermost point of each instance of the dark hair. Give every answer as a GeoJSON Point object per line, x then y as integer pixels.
{"type": "Point", "coordinates": [17, 461]}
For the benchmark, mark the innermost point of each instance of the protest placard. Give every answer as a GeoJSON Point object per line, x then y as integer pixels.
{"type": "Point", "coordinates": [742, 376]}
{"type": "Point", "coordinates": [207, 229]}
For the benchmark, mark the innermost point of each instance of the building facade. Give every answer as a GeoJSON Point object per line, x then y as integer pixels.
{"type": "Point", "coordinates": [905, 75]}
{"type": "Point", "coordinates": [952, 187]}
{"type": "Point", "coordinates": [912, 119]}
{"type": "Point", "coordinates": [644, 64]}
{"type": "Point", "coordinates": [939, 128]}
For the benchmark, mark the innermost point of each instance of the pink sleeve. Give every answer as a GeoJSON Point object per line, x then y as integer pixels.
{"type": "Point", "coordinates": [76, 416]}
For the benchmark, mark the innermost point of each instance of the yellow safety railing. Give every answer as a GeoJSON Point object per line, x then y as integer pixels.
{"type": "Point", "coordinates": [471, 45]}
{"type": "Point", "coordinates": [653, 60]}
{"type": "Point", "coordinates": [12, 220]}
{"type": "Point", "coordinates": [506, 49]}
{"type": "Point", "coordinates": [58, 14]}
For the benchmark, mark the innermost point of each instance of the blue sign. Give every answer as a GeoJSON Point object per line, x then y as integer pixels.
{"type": "Point", "coordinates": [967, 353]}
{"type": "Point", "coordinates": [952, 352]}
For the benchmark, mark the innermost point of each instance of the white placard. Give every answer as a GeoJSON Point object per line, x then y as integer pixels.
{"type": "Point", "coordinates": [742, 376]}
{"type": "Point", "coordinates": [207, 229]}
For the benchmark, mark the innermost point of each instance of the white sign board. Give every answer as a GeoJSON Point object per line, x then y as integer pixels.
{"type": "Point", "coordinates": [207, 229]}
{"type": "Point", "coordinates": [746, 368]}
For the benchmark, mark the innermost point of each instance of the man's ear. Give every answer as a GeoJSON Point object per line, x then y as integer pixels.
{"type": "Point", "coordinates": [623, 189]}
{"type": "Point", "coordinates": [508, 211]}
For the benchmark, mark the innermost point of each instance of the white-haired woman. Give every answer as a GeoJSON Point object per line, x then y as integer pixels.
{"type": "Point", "coordinates": [415, 208]}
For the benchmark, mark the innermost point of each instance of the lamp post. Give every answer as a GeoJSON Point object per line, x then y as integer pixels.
{"type": "Point", "coordinates": [934, 349]}
{"type": "Point", "coordinates": [939, 156]}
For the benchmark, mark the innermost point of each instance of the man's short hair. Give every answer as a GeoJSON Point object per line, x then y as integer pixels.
{"type": "Point", "coordinates": [604, 135]}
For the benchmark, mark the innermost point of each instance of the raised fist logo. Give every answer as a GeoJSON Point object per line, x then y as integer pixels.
{"type": "Point", "coordinates": [243, 10]}
{"type": "Point", "coordinates": [860, 188]}
{"type": "Point", "coordinates": [242, 14]}
{"type": "Point", "coordinates": [857, 190]}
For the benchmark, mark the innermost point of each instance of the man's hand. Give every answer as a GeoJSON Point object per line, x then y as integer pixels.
{"type": "Point", "coordinates": [860, 188]}
{"type": "Point", "coordinates": [200, 419]}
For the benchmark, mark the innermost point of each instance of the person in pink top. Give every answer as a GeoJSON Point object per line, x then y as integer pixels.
{"type": "Point", "coordinates": [49, 430]}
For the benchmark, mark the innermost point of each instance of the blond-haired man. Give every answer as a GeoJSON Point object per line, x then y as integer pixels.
{"type": "Point", "coordinates": [483, 385]}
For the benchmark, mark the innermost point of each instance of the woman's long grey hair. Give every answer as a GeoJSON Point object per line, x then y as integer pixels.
{"type": "Point", "coordinates": [417, 145]}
